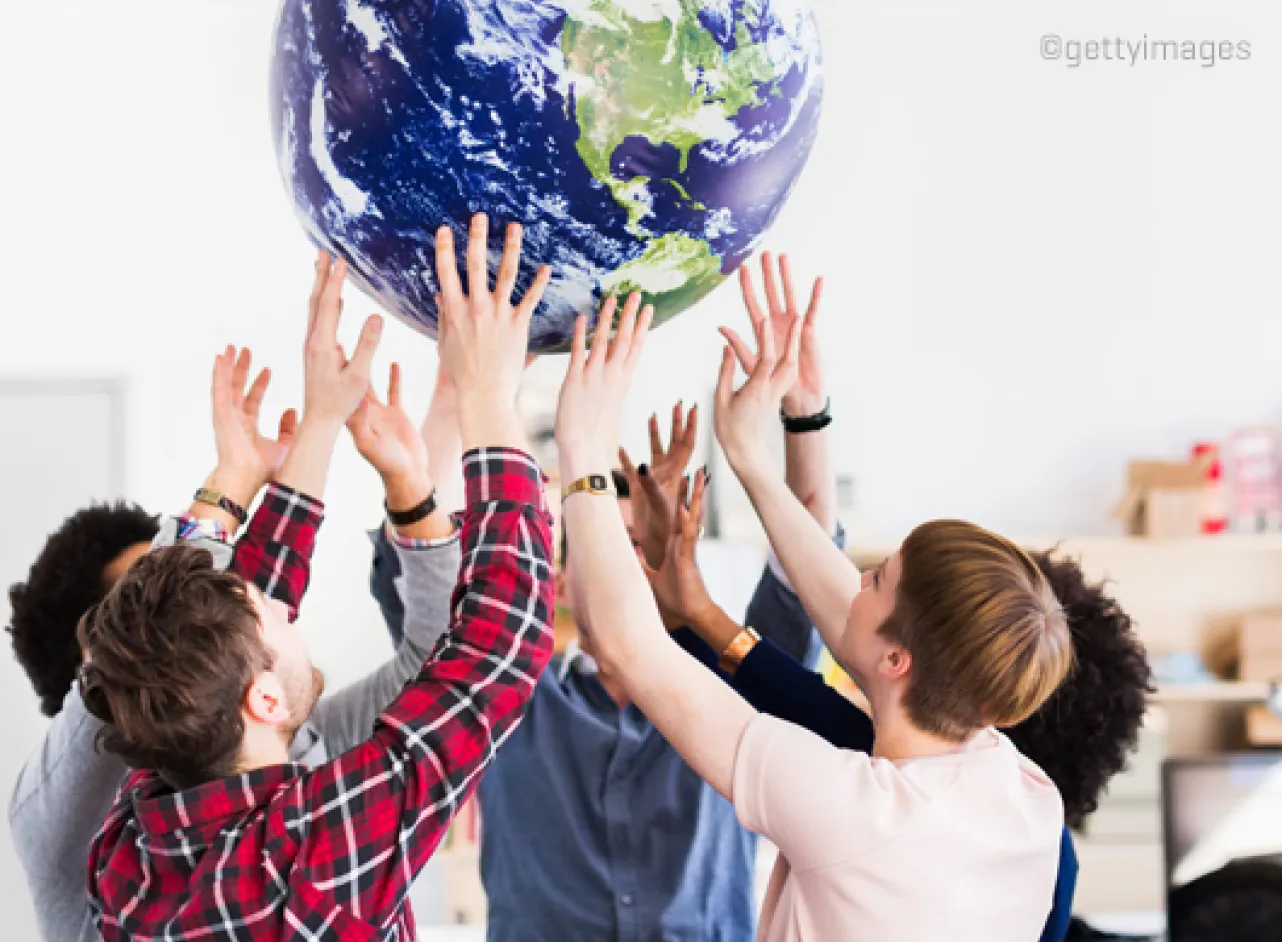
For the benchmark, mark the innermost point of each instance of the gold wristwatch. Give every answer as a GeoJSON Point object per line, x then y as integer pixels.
{"type": "Point", "coordinates": [737, 650]}
{"type": "Point", "coordinates": [592, 484]}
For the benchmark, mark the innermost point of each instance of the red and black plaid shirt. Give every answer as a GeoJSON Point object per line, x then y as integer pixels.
{"type": "Point", "coordinates": [275, 551]}
{"type": "Point", "coordinates": [284, 853]}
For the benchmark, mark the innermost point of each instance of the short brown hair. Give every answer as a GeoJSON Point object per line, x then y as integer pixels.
{"type": "Point", "coordinates": [169, 656]}
{"type": "Point", "coordinates": [988, 639]}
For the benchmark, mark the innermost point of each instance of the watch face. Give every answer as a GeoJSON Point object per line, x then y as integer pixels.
{"type": "Point", "coordinates": [598, 482]}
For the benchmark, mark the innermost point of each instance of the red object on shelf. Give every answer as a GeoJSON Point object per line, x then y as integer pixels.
{"type": "Point", "coordinates": [1214, 511]}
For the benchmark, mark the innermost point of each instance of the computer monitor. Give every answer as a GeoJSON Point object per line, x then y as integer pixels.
{"type": "Point", "coordinates": [1218, 809]}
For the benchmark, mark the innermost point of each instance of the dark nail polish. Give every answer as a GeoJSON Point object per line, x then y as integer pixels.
{"type": "Point", "coordinates": [644, 470]}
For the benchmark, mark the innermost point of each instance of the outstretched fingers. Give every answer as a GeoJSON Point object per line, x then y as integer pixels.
{"type": "Point", "coordinates": [525, 310]}
{"type": "Point", "coordinates": [253, 404]}
{"type": "Point", "coordinates": [510, 266]}
{"type": "Point", "coordinates": [451, 294]}
{"type": "Point", "coordinates": [816, 299]}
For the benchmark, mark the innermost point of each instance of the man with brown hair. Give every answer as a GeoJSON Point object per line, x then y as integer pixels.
{"type": "Point", "coordinates": [235, 842]}
{"type": "Point", "coordinates": [67, 787]}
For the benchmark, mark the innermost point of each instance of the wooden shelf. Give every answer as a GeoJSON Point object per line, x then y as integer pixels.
{"type": "Point", "coordinates": [1224, 691]}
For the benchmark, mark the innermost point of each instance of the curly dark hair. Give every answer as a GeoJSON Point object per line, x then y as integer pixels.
{"type": "Point", "coordinates": [1082, 735]}
{"type": "Point", "coordinates": [66, 580]}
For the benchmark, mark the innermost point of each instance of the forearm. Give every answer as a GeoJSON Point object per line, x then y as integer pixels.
{"type": "Point", "coordinates": [700, 716]}
{"type": "Point", "coordinates": [484, 424]}
{"type": "Point", "coordinates": [275, 551]}
{"type": "Point", "coordinates": [237, 486]}
{"type": "Point", "coordinates": [775, 683]}
{"type": "Point", "coordinates": [403, 493]}
{"type": "Point", "coordinates": [427, 581]}
{"type": "Point", "coordinates": [823, 577]}
{"type": "Point", "coordinates": [444, 445]}
{"type": "Point", "coordinates": [809, 474]}
{"type": "Point", "coordinates": [306, 469]}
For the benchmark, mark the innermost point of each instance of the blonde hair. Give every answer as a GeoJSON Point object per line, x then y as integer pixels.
{"type": "Point", "coordinates": [988, 639]}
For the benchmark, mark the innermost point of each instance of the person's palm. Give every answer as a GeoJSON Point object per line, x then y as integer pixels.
{"type": "Point", "coordinates": [240, 443]}
{"type": "Point", "coordinates": [678, 584]}
{"type": "Point", "coordinates": [385, 435]}
{"type": "Point", "coordinates": [654, 498]}
{"type": "Point", "coordinates": [781, 315]}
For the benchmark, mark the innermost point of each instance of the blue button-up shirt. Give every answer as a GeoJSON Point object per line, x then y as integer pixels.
{"type": "Point", "coordinates": [593, 828]}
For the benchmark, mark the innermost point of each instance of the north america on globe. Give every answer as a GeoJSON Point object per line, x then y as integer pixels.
{"type": "Point", "coordinates": [645, 145]}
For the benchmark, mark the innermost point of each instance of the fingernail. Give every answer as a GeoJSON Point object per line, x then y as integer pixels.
{"type": "Point", "coordinates": [644, 470]}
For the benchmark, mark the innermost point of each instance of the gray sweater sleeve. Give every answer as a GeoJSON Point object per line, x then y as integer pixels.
{"type": "Point", "coordinates": [64, 793]}
{"type": "Point", "coordinates": [61, 798]}
{"type": "Point", "coordinates": [428, 575]}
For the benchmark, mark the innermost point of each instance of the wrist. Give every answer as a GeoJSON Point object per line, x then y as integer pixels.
{"type": "Point", "coordinates": [316, 424]}
{"type": "Point", "coordinates": [577, 463]}
{"type": "Point", "coordinates": [406, 491]}
{"type": "Point", "coordinates": [239, 485]}
{"type": "Point", "coordinates": [799, 403]}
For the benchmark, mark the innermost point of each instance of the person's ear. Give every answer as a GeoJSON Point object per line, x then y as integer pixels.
{"type": "Point", "coordinates": [265, 702]}
{"type": "Point", "coordinates": [895, 663]}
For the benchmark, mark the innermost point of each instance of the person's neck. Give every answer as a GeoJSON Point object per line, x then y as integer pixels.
{"type": "Point", "coordinates": [262, 747]}
{"type": "Point", "coordinates": [897, 738]}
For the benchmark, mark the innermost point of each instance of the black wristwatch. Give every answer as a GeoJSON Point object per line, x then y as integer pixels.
{"type": "Point", "coordinates": [405, 518]}
{"type": "Point", "coordinates": [800, 425]}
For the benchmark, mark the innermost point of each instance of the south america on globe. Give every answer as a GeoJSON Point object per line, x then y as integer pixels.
{"type": "Point", "coordinates": [645, 145]}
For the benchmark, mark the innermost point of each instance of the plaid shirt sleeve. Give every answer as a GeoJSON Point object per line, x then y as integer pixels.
{"type": "Point", "coordinates": [370, 819]}
{"type": "Point", "coordinates": [275, 551]}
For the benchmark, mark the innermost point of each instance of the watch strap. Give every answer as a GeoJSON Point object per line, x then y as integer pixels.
{"type": "Point", "coordinates": [214, 498]}
{"type": "Point", "coordinates": [800, 425]}
{"type": "Point", "coordinates": [737, 650]}
{"type": "Point", "coordinates": [406, 518]}
{"type": "Point", "coordinates": [591, 484]}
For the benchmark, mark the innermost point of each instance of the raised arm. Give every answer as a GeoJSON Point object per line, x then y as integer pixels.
{"type": "Point", "coordinates": [374, 816]}
{"type": "Point", "coordinates": [700, 716]}
{"type": "Point", "coordinates": [825, 580]}
{"type": "Point", "coordinates": [808, 468]}
{"type": "Point", "coordinates": [419, 539]}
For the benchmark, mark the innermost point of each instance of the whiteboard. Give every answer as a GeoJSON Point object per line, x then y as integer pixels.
{"type": "Point", "coordinates": [61, 446]}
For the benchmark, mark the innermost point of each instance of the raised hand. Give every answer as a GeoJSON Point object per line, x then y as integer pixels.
{"type": "Point", "coordinates": [387, 438]}
{"type": "Point", "coordinates": [246, 455]}
{"type": "Point", "coordinates": [807, 395]}
{"type": "Point", "coordinates": [483, 337]}
{"type": "Point", "coordinates": [678, 585]}
{"type": "Point", "coordinates": [654, 486]}
{"type": "Point", "coordinates": [334, 385]}
{"type": "Point", "coordinates": [744, 416]}
{"type": "Point", "coordinates": [589, 414]}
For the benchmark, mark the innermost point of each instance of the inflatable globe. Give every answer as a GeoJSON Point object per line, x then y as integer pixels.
{"type": "Point", "coordinates": [644, 144]}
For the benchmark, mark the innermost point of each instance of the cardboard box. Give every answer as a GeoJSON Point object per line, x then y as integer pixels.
{"type": "Point", "coordinates": [1163, 499]}
{"type": "Point", "coordinates": [1260, 647]}
{"type": "Point", "coordinates": [1263, 727]}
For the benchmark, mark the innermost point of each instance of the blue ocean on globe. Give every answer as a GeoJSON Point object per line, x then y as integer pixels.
{"type": "Point", "coordinates": [644, 144]}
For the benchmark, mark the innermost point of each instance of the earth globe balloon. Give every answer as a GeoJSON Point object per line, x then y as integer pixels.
{"type": "Point", "coordinates": [644, 145]}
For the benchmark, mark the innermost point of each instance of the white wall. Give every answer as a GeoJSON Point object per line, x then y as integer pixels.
{"type": "Point", "coordinates": [1035, 272]}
